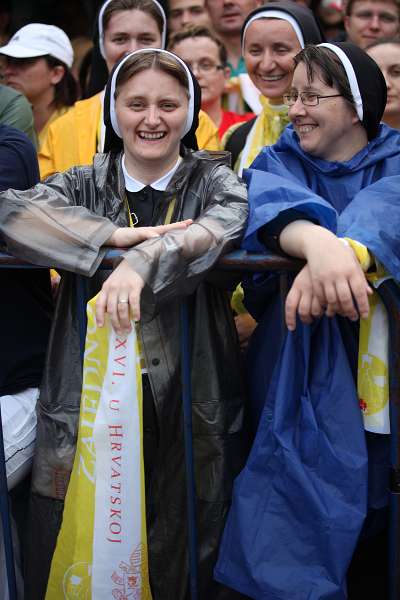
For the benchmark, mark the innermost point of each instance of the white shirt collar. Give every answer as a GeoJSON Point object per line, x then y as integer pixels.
{"type": "Point", "coordinates": [134, 185]}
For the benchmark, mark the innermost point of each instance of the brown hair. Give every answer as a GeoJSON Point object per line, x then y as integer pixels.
{"type": "Point", "coordinates": [197, 31]}
{"type": "Point", "coordinates": [151, 59]}
{"type": "Point", "coordinates": [331, 69]}
{"type": "Point", "coordinates": [66, 90]}
{"type": "Point", "coordinates": [146, 6]}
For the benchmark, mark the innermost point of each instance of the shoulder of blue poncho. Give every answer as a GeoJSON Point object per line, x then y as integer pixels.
{"type": "Point", "coordinates": [373, 219]}
{"type": "Point", "coordinates": [386, 145]}
{"type": "Point", "coordinates": [271, 195]}
{"type": "Point", "coordinates": [288, 141]}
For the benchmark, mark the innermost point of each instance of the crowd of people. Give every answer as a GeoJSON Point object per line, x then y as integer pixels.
{"type": "Point", "coordinates": [193, 129]}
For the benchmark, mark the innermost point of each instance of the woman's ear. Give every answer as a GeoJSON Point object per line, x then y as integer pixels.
{"type": "Point", "coordinates": [57, 74]}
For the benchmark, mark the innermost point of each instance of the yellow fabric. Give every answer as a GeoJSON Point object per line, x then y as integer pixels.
{"type": "Point", "coordinates": [71, 139]}
{"type": "Point", "coordinates": [207, 133]}
{"type": "Point", "coordinates": [101, 549]}
{"type": "Point", "coordinates": [373, 367]}
{"type": "Point", "coordinates": [56, 115]}
{"type": "Point", "coordinates": [266, 130]}
{"type": "Point", "coordinates": [362, 254]}
{"type": "Point", "coordinates": [237, 300]}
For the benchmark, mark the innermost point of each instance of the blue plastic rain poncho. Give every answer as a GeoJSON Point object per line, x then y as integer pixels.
{"type": "Point", "coordinates": [300, 503]}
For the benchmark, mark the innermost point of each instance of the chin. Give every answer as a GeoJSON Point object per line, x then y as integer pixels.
{"type": "Point", "coordinates": [273, 92]}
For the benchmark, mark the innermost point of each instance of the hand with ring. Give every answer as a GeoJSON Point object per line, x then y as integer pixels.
{"type": "Point", "coordinates": [120, 298]}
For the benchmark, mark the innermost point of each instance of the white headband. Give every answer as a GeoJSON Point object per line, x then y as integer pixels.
{"type": "Point", "coordinates": [276, 14]}
{"type": "Point", "coordinates": [113, 116]}
{"type": "Point", "coordinates": [351, 76]}
{"type": "Point", "coordinates": [101, 32]}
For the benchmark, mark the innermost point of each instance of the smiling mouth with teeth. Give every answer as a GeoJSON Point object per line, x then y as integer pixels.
{"type": "Point", "coordinates": [305, 128]}
{"type": "Point", "coordinates": [146, 135]}
{"type": "Point", "coordinates": [271, 77]}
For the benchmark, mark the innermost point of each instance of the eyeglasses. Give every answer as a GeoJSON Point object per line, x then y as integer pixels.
{"type": "Point", "coordinates": [307, 98]}
{"type": "Point", "coordinates": [204, 66]}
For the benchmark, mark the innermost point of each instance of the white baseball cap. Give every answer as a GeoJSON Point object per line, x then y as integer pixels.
{"type": "Point", "coordinates": [37, 39]}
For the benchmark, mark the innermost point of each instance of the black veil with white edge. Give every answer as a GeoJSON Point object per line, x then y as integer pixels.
{"type": "Point", "coordinates": [113, 141]}
{"type": "Point", "coordinates": [367, 84]}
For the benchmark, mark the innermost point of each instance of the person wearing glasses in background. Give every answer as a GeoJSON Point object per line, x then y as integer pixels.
{"type": "Point", "coordinates": [366, 21]}
{"type": "Point", "coordinates": [206, 56]}
{"type": "Point", "coordinates": [182, 13]}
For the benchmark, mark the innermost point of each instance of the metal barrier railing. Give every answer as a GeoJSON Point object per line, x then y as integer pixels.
{"type": "Point", "coordinates": [239, 261]}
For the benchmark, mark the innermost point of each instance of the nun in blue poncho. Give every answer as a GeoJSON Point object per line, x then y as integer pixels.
{"type": "Point", "coordinates": [301, 502]}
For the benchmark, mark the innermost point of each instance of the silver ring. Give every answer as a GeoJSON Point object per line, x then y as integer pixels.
{"type": "Point", "coordinates": [123, 301]}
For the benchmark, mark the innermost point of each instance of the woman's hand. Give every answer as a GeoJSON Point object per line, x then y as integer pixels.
{"type": "Point", "coordinates": [245, 326]}
{"type": "Point", "coordinates": [337, 279]}
{"type": "Point", "coordinates": [302, 299]}
{"type": "Point", "coordinates": [123, 237]}
{"type": "Point", "coordinates": [120, 298]}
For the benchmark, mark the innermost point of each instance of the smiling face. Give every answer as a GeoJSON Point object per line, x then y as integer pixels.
{"type": "Point", "coordinates": [151, 109]}
{"type": "Point", "coordinates": [127, 31]}
{"type": "Point", "coordinates": [270, 46]}
{"type": "Point", "coordinates": [331, 130]}
{"type": "Point", "coordinates": [370, 20]}
{"type": "Point", "coordinates": [388, 58]}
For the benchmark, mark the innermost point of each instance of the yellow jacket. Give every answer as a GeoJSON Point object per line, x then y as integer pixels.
{"type": "Point", "coordinates": [72, 139]}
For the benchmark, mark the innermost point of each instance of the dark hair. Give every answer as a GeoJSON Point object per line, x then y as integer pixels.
{"type": "Point", "coordinates": [146, 6]}
{"type": "Point", "coordinates": [384, 40]}
{"type": "Point", "coordinates": [85, 72]}
{"type": "Point", "coordinates": [151, 60]}
{"type": "Point", "coordinates": [329, 66]}
{"type": "Point", "coordinates": [66, 90]}
{"type": "Point", "coordinates": [350, 3]}
{"type": "Point", "coordinates": [197, 31]}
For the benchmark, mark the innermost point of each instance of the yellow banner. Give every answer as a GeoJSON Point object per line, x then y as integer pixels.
{"type": "Point", "coordinates": [101, 551]}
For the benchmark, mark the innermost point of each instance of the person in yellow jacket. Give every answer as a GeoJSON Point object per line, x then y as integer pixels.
{"type": "Point", "coordinates": [37, 63]}
{"type": "Point", "coordinates": [74, 138]}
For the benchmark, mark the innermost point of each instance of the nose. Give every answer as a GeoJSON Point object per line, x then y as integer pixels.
{"type": "Point", "coordinates": [195, 70]}
{"type": "Point", "coordinates": [375, 22]}
{"type": "Point", "coordinates": [185, 18]}
{"type": "Point", "coordinates": [297, 109]}
{"type": "Point", "coordinates": [267, 61]}
{"type": "Point", "coordinates": [152, 117]}
{"type": "Point", "coordinates": [133, 45]}
{"type": "Point", "coordinates": [9, 68]}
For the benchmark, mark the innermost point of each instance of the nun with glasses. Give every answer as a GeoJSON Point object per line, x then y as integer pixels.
{"type": "Point", "coordinates": [151, 175]}
{"type": "Point", "coordinates": [271, 37]}
{"type": "Point", "coordinates": [327, 193]}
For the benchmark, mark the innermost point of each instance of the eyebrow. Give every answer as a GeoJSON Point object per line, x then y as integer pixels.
{"type": "Point", "coordinates": [379, 13]}
{"type": "Point", "coordinates": [141, 97]}
{"type": "Point", "coordinates": [307, 88]}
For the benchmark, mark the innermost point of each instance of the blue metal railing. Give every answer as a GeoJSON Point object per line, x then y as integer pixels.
{"type": "Point", "coordinates": [239, 261]}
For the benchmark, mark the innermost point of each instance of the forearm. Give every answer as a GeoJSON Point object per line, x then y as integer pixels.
{"type": "Point", "coordinates": [52, 233]}
{"type": "Point", "coordinates": [301, 237]}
